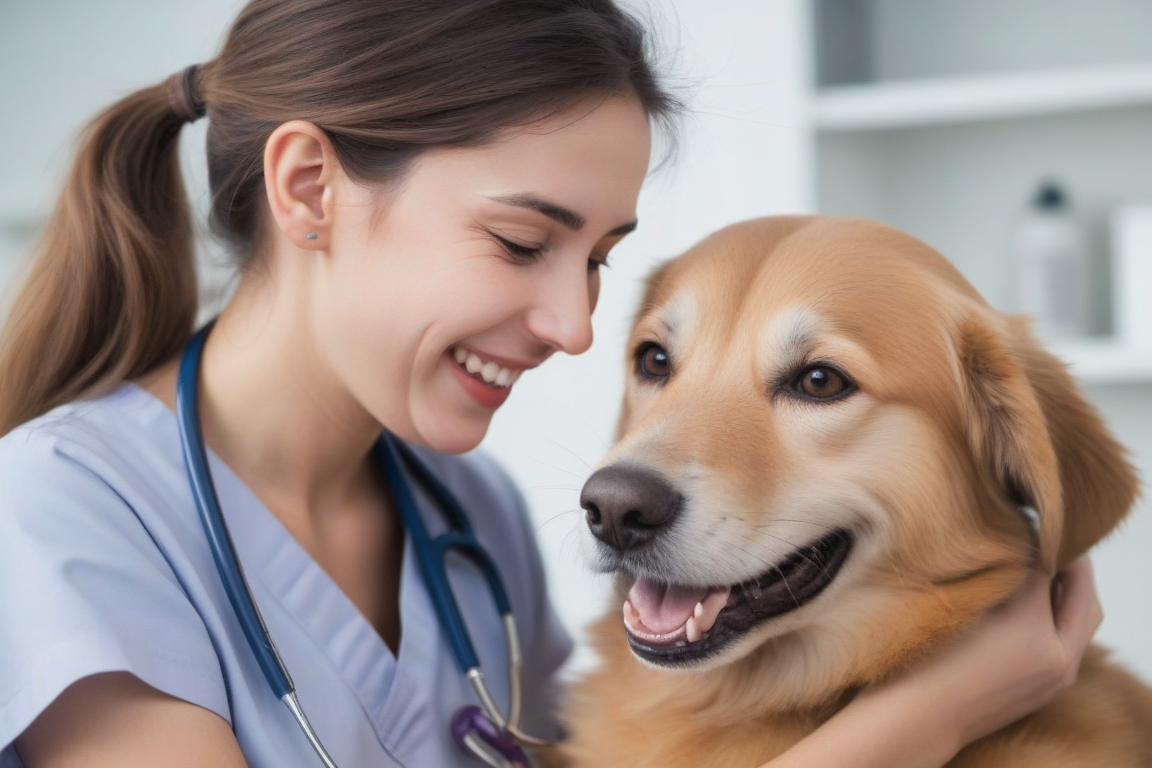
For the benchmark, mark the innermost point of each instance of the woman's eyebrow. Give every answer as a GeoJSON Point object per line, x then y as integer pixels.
{"type": "Point", "coordinates": [558, 213]}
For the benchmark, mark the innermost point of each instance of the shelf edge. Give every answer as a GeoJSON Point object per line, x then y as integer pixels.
{"type": "Point", "coordinates": [920, 103]}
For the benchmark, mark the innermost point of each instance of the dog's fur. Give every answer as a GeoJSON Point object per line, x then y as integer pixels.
{"type": "Point", "coordinates": [960, 419]}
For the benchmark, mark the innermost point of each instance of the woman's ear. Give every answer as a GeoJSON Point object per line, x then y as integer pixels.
{"type": "Point", "coordinates": [1044, 443]}
{"type": "Point", "coordinates": [300, 166]}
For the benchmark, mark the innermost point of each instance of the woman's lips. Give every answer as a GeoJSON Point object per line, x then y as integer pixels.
{"type": "Point", "coordinates": [487, 382]}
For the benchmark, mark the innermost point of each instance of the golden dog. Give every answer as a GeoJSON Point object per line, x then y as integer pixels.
{"type": "Point", "coordinates": [833, 456]}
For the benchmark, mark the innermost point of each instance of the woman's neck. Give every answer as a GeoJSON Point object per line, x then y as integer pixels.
{"type": "Point", "coordinates": [300, 442]}
{"type": "Point", "coordinates": [270, 408]}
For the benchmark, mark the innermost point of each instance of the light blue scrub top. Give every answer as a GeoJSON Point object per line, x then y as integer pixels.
{"type": "Point", "coordinates": [104, 567]}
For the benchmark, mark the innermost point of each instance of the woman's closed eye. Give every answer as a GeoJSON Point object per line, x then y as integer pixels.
{"type": "Point", "coordinates": [519, 251]}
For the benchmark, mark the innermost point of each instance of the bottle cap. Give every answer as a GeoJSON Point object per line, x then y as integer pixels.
{"type": "Point", "coordinates": [1050, 197]}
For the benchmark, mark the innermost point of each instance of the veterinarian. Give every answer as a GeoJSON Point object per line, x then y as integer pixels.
{"type": "Point", "coordinates": [421, 197]}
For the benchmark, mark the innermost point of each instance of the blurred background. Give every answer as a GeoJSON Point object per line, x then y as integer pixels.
{"type": "Point", "coordinates": [1015, 136]}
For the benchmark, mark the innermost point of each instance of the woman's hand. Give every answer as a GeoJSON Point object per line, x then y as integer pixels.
{"type": "Point", "coordinates": [1012, 663]}
{"type": "Point", "coordinates": [1017, 659]}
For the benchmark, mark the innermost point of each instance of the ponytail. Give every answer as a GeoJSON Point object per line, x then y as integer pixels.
{"type": "Point", "coordinates": [111, 292]}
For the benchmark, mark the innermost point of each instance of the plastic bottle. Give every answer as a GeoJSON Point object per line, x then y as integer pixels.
{"type": "Point", "coordinates": [1050, 251]}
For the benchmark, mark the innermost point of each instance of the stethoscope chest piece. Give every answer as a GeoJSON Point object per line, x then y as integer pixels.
{"type": "Point", "coordinates": [474, 732]}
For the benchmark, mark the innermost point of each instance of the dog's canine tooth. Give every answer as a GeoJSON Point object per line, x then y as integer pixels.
{"type": "Point", "coordinates": [698, 611]}
{"type": "Point", "coordinates": [693, 631]}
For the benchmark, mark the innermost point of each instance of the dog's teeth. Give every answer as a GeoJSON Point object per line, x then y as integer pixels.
{"type": "Point", "coordinates": [504, 378]}
{"type": "Point", "coordinates": [681, 643]}
{"type": "Point", "coordinates": [698, 611]}
{"type": "Point", "coordinates": [692, 630]}
{"type": "Point", "coordinates": [473, 364]}
{"type": "Point", "coordinates": [460, 354]}
{"type": "Point", "coordinates": [489, 372]}
{"type": "Point", "coordinates": [631, 616]}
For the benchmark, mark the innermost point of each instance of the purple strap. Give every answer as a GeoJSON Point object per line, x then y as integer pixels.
{"type": "Point", "coordinates": [471, 720]}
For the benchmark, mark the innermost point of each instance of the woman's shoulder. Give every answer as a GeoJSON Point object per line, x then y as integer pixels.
{"type": "Point", "coordinates": [103, 454]}
{"type": "Point", "coordinates": [88, 582]}
{"type": "Point", "coordinates": [104, 425]}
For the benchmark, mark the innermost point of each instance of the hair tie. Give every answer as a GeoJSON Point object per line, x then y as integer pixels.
{"type": "Point", "coordinates": [182, 96]}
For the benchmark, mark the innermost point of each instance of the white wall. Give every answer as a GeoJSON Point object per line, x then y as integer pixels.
{"type": "Point", "coordinates": [61, 61]}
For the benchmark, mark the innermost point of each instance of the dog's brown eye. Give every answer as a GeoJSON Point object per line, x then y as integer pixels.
{"type": "Point", "coordinates": [653, 362]}
{"type": "Point", "coordinates": [821, 382]}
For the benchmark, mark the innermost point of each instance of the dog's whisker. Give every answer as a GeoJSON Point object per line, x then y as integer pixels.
{"type": "Point", "coordinates": [578, 475]}
{"type": "Point", "coordinates": [776, 554]}
{"type": "Point", "coordinates": [776, 568]}
{"type": "Point", "coordinates": [775, 520]}
{"type": "Point", "coordinates": [557, 516]}
{"type": "Point", "coordinates": [572, 453]}
{"type": "Point", "coordinates": [787, 586]}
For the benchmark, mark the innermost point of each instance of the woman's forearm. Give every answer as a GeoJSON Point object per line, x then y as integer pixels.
{"type": "Point", "coordinates": [882, 728]}
{"type": "Point", "coordinates": [1018, 658]}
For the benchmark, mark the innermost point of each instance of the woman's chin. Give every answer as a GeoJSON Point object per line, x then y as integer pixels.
{"type": "Point", "coordinates": [459, 434]}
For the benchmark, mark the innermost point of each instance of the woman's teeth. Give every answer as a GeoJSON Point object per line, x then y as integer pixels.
{"type": "Point", "coordinates": [490, 372]}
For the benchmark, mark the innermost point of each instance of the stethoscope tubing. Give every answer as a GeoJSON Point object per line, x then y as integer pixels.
{"type": "Point", "coordinates": [493, 740]}
{"type": "Point", "coordinates": [223, 550]}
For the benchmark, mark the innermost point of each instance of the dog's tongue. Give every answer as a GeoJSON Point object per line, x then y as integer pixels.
{"type": "Point", "coordinates": [663, 608]}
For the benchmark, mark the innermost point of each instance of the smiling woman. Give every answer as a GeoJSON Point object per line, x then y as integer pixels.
{"type": "Point", "coordinates": [420, 197]}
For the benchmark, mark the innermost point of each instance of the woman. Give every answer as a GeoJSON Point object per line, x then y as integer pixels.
{"type": "Point", "coordinates": [421, 196]}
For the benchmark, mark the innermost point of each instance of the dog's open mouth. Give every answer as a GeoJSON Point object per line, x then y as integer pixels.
{"type": "Point", "coordinates": [671, 624]}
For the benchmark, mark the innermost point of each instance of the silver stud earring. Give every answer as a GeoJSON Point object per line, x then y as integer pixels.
{"type": "Point", "coordinates": [311, 236]}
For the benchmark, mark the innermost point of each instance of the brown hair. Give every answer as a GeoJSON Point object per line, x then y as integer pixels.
{"type": "Point", "coordinates": [112, 291]}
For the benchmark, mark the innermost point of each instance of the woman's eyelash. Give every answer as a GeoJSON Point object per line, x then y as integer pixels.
{"type": "Point", "coordinates": [597, 263]}
{"type": "Point", "coordinates": [530, 253]}
{"type": "Point", "coordinates": [523, 252]}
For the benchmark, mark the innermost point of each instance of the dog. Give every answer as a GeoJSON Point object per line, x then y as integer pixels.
{"type": "Point", "coordinates": [833, 456]}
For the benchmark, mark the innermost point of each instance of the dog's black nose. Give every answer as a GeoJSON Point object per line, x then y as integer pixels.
{"type": "Point", "coordinates": [628, 506]}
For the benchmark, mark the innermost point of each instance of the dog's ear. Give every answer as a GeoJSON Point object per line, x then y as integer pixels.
{"type": "Point", "coordinates": [1045, 444]}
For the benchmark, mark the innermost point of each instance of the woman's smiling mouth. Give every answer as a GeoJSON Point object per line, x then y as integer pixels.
{"type": "Point", "coordinates": [487, 381]}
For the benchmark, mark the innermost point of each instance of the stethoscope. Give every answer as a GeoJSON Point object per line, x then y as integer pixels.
{"type": "Point", "coordinates": [484, 731]}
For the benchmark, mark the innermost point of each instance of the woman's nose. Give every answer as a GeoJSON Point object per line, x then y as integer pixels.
{"type": "Point", "coordinates": [561, 315]}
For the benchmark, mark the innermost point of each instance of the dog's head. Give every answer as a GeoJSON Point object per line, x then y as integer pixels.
{"type": "Point", "coordinates": [832, 454]}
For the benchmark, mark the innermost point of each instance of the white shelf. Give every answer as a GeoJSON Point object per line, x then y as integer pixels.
{"type": "Point", "coordinates": [1105, 361]}
{"type": "Point", "coordinates": [997, 96]}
